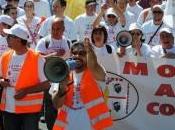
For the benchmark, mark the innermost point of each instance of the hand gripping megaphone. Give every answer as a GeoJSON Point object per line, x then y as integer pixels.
{"type": "Point", "coordinates": [124, 38]}
{"type": "Point", "coordinates": [57, 69]}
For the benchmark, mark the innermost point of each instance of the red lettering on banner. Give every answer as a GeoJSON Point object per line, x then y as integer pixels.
{"type": "Point", "coordinates": [151, 108]}
{"type": "Point", "coordinates": [166, 71]}
{"type": "Point", "coordinates": [135, 69]}
{"type": "Point", "coordinates": [165, 89]}
{"type": "Point", "coordinates": [155, 108]}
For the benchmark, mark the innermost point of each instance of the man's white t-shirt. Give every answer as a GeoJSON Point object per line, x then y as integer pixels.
{"type": "Point", "coordinates": [54, 45]}
{"type": "Point", "coordinates": [12, 74]}
{"type": "Point", "coordinates": [70, 31]}
{"type": "Point", "coordinates": [83, 25]}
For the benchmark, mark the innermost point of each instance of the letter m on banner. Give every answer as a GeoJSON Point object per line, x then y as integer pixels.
{"type": "Point", "coordinates": [135, 68]}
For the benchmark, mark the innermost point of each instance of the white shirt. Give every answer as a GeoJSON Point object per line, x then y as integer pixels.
{"type": "Point", "coordinates": [54, 46]}
{"type": "Point", "coordinates": [159, 52]}
{"type": "Point", "coordinates": [42, 8]}
{"type": "Point", "coordinates": [106, 59]}
{"type": "Point", "coordinates": [69, 32]}
{"type": "Point", "coordinates": [148, 29]}
{"type": "Point", "coordinates": [32, 29]}
{"type": "Point", "coordinates": [136, 9]}
{"type": "Point", "coordinates": [148, 17]}
{"type": "Point", "coordinates": [13, 72]}
{"type": "Point", "coordinates": [145, 51]}
{"type": "Point", "coordinates": [3, 44]}
{"type": "Point", "coordinates": [83, 25]}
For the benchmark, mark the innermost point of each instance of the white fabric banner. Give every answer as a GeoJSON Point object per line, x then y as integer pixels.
{"type": "Point", "coordinates": [141, 94]}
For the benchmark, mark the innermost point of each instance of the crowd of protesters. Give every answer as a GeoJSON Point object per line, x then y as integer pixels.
{"type": "Point", "coordinates": [33, 30]}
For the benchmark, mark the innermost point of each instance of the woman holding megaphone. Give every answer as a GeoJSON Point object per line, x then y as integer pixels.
{"type": "Point", "coordinates": [136, 46]}
{"type": "Point", "coordinates": [82, 99]}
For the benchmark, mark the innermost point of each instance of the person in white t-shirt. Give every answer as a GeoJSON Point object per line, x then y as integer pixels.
{"type": "Point", "coordinates": [58, 7]}
{"type": "Point", "coordinates": [111, 22]}
{"type": "Point", "coordinates": [106, 53]}
{"type": "Point", "coordinates": [5, 23]}
{"type": "Point", "coordinates": [137, 47]}
{"type": "Point", "coordinates": [53, 45]}
{"type": "Point", "coordinates": [166, 47]}
{"type": "Point", "coordinates": [134, 8]}
{"type": "Point", "coordinates": [81, 102]}
{"type": "Point", "coordinates": [126, 17]}
{"type": "Point", "coordinates": [31, 22]}
{"type": "Point", "coordinates": [84, 22]}
{"type": "Point", "coordinates": [22, 92]}
{"type": "Point", "coordinates": [146, 14]}
{"type": "Point", "coordinates": [151, 28]}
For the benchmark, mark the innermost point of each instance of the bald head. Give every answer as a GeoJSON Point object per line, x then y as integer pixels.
{"type": "Point", "coordinates": [57, 28]}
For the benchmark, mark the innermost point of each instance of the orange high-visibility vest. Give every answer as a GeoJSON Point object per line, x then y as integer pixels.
{"type": "Point", "coordinates": [93, 101]}
{"type": "Point", "coordinates": [28, 77]}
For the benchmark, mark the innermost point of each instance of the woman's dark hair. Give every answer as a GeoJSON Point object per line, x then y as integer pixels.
{"type": "Point", "coordinates": [30, 2]}
{"type": "Point", "coordinates": [100, 28]}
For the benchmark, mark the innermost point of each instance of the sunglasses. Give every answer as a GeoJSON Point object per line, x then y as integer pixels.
{"type": "Point", "coordinates": [81, 53]}
{"type": "Point", "coordinates": [111, 16]}
{"type": "Point", "coordinates": [157, 12]}
{"type": "Point", "coordinates": [135, 33]}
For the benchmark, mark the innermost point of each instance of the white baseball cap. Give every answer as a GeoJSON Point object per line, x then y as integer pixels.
{"type": "Point", "coordinates": [134, 26]}
{"type": "Point", "coordinates": [18, 30]}
{"type": "Point", "coordinates": [166, 29]}
{"type": "Point", "coordinates": [7, 20]}
{"type": "Point", "coordinates": [110, 11]}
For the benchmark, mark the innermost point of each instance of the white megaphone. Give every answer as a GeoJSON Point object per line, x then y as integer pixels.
{"type": "Point", "coordinates": [169, 13]}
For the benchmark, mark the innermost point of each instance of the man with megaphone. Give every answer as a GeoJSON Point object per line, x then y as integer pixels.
{"type": "Point", "coordinates": [82, 99]}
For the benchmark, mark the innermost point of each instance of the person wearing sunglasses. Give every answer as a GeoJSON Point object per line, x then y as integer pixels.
{"type": "Point", "coordinates": [151, 28]}
{"type": "Point", "coordinates": [137, 47]}
{"type": "Point", "coordinates": [81, 102]}
{"type": "Point", "coordinates": [22, 95]}
{"type": "Point", "coordinates": [110, 20]}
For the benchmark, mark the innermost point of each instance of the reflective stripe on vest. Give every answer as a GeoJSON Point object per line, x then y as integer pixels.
{"type": "Point", "coordinates": [94, 102]}
{"type": "Point", "coordinates": [27, 77]}
{"type": "Point", "coordinates": [101, 117]}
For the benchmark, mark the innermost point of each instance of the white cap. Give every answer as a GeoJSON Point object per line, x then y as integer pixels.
{"type": "Point", "coordinates": [18, 30]}
{"type": "Point", "coordinates": [165, 29]}
{"type": "Point", "coordinates": [134, 26]}
{"type": "Point", "coordinates": [110, 11]}
{"type": "Point", "coordinates": [7, 20]}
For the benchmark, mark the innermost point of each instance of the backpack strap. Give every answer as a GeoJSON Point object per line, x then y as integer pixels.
{"type": "Point", "coordinates": [109, 49]}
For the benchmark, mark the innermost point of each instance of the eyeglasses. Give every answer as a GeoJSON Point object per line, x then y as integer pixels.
{"type": "Point", "coordinates": [111, 16]}
{"type": "Point", "coordinates": [81, 53]}
{"type": "Point", "coordinates": [157, 12]}
{"type": "Point", "coordinates": [135, 33]}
